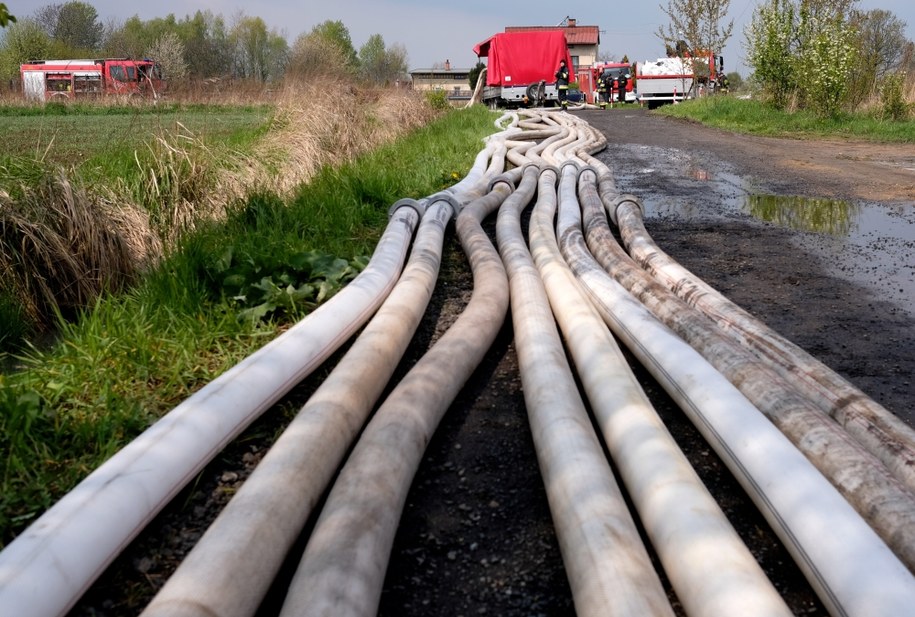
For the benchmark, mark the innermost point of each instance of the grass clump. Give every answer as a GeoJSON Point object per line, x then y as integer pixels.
{"type": "Point", "coordinates": [226, 288]}
{"type": "Point", "coordinates": [59, 250]}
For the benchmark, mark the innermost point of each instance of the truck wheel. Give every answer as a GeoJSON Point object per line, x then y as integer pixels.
{"type": "Point", "coordinates": [532, 92]}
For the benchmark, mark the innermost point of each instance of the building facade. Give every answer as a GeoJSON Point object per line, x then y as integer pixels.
{"type": "Point", "coordinates": [454, 81]}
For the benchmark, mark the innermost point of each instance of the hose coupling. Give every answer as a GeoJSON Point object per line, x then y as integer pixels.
{"type": "Point", "coordinates": [507, 178]}
{"type": "Point", "coordinates": [590, 168]}
{"type": "Point", "coordinates": [410, 203]}
{"type": "Point", "coordinates": [451, 200]}
{"type": "Point", "coordinates": [562, 168]}
{"type": "Point", "coordinates": [620, 200]}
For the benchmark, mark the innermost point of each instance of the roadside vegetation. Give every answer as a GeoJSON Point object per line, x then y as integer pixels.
{"type": "Point", "coordinates": [759, 118]}
{"type": "Point", "coordinates": [161, 258]}
{"type": "Point", "coordinates": [830, 57]}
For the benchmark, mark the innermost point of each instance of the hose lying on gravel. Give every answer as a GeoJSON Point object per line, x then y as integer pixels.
{"type": "Point", "coordinates": [760, 457]}
{"type": "Point", "coordinates": [862, 479]}
{"type": "Point", "coordinates": [878, 430]}
{"type": "Point", "coordinates": [708, 564]}
{"type": "Point", "coordinates": [609, 569]}
{"type": "Point", "coordinates": [343, 567]}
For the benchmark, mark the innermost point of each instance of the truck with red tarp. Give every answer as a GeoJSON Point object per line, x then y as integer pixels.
{"type": "Point", "coordinates": [521, 67]}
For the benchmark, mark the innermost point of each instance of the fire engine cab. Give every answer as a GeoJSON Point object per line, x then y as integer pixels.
{"type": "Point", "coordinates": [44, 80]}
{"type": "Point", "coordinates": [612, 73]}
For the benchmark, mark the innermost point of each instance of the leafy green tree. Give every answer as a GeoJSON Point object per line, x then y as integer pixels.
{"type": "Point", "coordinates": [259, 54]}
{"type": "Point", "coordinates": [826, 57]}
{"type": "Point", "coordinates": [770, 37]}
{"type": "Point", "coordinates": [312, 57]}
{"type": "Point", "coordinates": [335, 33]}
{"type": "Point", "coordinates": [474, 74]}
{"type": "Point", "coordinates": [880, 46]}
{"type": "Point", "coordinates": [23, 41]}
{"type": "Point", "coordinates": [5, 17]}
{"type": "Point", "coordinates": [802, 51]}
{"type": "Point", "coordinates": [127, 40]}
{"type": "Point", "coordinates": [735, 80]}
{"type": "Point", "coordinates": [206, 44]}
{"type": "Point", "coordinates": [880, 40]}
{"type": "Point", "coordinates": [78, 26]}
{"type": "Point", "coordinates": [379, 64]}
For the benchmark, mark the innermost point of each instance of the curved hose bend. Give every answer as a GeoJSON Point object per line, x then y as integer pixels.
{"type": "Point", "coordinates": [608, 567]}
{"type": "Point", "coordinates": [342, 570]}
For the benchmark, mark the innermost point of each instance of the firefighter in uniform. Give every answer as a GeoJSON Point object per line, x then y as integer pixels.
{"type": "Point", "coordinates": [623, 82]}
{"type": "Point", "coordinates": [604, 83]}
{"type": "Point", "coordinates": [562, 83]}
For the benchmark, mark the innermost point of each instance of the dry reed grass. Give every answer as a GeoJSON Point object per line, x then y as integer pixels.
{"type": "Point", "coordinates": [316, 127]}
{"type": "Point", "coordinates": [177, 185]}
{"type": "Point", "coordinates": [60, 248]}
{"type": "Point", "coordinates": [63, 245]}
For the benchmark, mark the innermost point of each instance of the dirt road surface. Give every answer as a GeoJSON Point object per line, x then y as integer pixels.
{"type": "Point", "coordinates": [476, 536]}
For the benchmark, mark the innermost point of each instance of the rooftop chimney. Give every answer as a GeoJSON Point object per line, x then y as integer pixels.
{"type": "Point", "coordinates": [447, 65]}
{"type": "Point", "coordinates": [571, 22]}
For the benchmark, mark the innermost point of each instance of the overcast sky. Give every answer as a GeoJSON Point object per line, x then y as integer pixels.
{"type": "Point", "coordinates": [435, 30]}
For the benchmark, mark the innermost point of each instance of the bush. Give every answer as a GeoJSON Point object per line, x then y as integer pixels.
{"type": "Point", "coordinates": [437, 99]}
{"type": "Point", "coordinates": [892, 98]}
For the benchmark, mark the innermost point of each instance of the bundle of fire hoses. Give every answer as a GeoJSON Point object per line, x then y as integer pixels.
{"type": "Point", "coordinates": [832, 471]}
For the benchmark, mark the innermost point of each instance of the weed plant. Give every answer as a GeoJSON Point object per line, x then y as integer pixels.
{"type": "Point", "coordinates": [130, 357]}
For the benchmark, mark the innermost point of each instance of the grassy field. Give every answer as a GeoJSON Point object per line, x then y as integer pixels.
{"type": "Point", "coordinates": [103, 142]}
{"type": "Point", "coordinates": [94, 129]}
{"type": "Point", "coordinates": [224, 289]}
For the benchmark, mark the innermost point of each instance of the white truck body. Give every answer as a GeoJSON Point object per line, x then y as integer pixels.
{"type": "Point", "coordinates": [518, 95]}
{"type": "Point", "coordinates": [664, 80]}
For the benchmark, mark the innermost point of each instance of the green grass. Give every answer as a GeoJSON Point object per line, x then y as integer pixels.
{"type": "Point", "coordinates": [749, 116]}
{"type": "Point", "coordinates": [133, 356]}
{"type": "Point", "coordinates": [100, 142]}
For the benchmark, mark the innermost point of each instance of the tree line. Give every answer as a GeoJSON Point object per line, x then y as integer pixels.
{"type": "Point", "coordinates": [199, 46]}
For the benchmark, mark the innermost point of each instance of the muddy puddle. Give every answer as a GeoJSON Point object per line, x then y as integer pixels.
{"type": "Point", "coordinates": [871, 243]}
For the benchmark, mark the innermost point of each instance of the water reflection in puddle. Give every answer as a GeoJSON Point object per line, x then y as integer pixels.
{"type": "Point", "coordinates": [873, 243]}
{"type": "Point", "coordinates": [830, 216]}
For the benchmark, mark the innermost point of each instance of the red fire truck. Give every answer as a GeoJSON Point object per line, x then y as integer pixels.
{"type": "Point", "coordinates": [611, 72]}
{"type": "Point", "coordinates": [45, 80]}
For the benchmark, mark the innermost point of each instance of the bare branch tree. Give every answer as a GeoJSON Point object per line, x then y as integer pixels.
{"type": "Point", "coordinates": [881, 40]}
{"type": "Point", "coordinates": [696, 24]}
